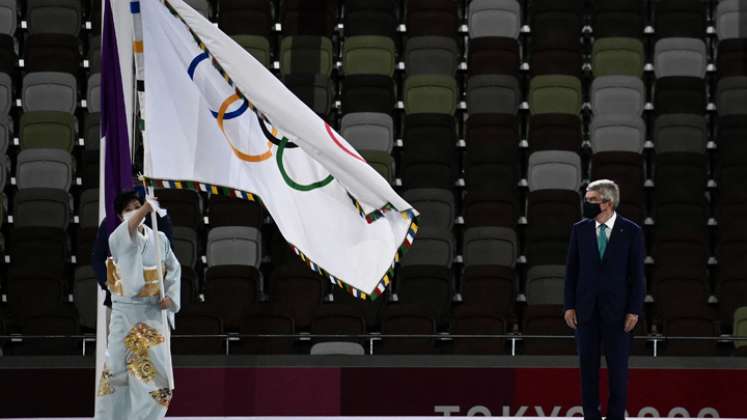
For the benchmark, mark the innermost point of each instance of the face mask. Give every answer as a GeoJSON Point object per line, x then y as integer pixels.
{"type": "Point", "coordinates": [128, 214]}
{"type": "Point", "coordinates": [591, 210]}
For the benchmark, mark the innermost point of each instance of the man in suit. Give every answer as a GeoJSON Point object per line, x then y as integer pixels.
{"type": "Point", "coordinates": [604, 292]}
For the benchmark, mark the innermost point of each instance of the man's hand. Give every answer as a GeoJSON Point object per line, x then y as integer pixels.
{"type": "Point", "coordinates": [570, 318]}
{"type": "Point", "coordinates": [630, 322]}
{"type": "Point", "coordinates": [166, 303]}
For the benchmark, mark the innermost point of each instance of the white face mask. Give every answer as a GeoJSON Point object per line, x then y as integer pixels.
{"type": "Point", "coordinates": [128, 215]}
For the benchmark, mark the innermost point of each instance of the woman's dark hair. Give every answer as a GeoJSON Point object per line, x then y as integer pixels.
{"type": "Point", "coordinates": [123, 199]}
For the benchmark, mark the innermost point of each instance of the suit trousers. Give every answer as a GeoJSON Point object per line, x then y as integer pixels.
{"type": "Point", "coordinates": [592, 337]}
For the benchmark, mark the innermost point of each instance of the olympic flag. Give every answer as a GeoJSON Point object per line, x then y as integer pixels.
{"type": "Point", "coordinates": [217, 121]}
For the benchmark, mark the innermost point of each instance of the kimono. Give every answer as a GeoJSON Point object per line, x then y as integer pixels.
{"type": "Point", "coordinates": [134, 381]}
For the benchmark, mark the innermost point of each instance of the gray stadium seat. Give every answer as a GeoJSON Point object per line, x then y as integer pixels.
{"type": "Point", "coordinates": [431, 55]}
{"type": "Point", "coordinates": [622, 95]}
{"type": "Point", "coordinates": [50, 91]}
{"type": "Point", "coordinates": [554, 170]}
{"type": "Point", "coordinates": [731, 19]}
{"type": "Point", "coordinates": [545, 285]}
{"type": "Point", "coordinates": [732, 96]}
{"type": "Point", "coordinates": [8, 16]}
{"type": "Point", "coordinates": [436, 206]}
{"type": "Point", "coordinates": [493, 94]}
{"type": "Point", "coordinates": [94, 54]}
{"type": "Point", "coordinates": [54, 16]}
{"type": "Point", "coordinates": [6, 94]}
{"type": "Point", "coordinates": [5, 134]}
{"type": "Point", "coordinates": [234, 245]}
{"type": "Point", "coordinates": [88, 213]}
{"type": "Point", "coordinates": [680, 57]}
{"type": "Point", "coordinates": [617, 133]}
{"type": "Point", "coordinates": [490, 245]}
{"type": "Point", "coordinates": [337, 348]}
{"type": "Point", "coordinates": [93, 98]}
{"type": "Point", "coordinates": [85, 288]}
{"type": "Point", "coordinates": [499, 18]}
{"type": "Point", "coordinates": [675, 133]}
{"type": "Point", "coordinates": [44, 168]}
{"type": "Point", "coordinates": [368, 131]}
{"type": "Point", "coordinates": [433, 247]}
{"type": "Point", "coordinates": [92, 131]}
{"type": "Point", "coordinates": [184, 242]}
{"type": "Point", "coordinates": [42, 207]}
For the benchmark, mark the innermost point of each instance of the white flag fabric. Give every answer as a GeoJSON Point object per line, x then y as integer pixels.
{"type": "Point", "coordinates": [218, 121]}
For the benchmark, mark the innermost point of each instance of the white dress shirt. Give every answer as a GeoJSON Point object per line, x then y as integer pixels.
{"type": "Point", "coordinates": [609, 223]}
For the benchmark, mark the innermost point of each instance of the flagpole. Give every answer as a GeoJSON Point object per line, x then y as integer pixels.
{"type": "Point", "coordinates": [162, 290]}
{"type": "Point", "coordinates": [102, 324]}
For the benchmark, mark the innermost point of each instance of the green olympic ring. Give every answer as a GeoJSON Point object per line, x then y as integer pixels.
{"type": "Point", "coordinates": [291, 183]}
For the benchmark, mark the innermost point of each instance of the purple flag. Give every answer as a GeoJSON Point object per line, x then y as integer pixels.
{"type": "Point", "coordinates": [117, 163]}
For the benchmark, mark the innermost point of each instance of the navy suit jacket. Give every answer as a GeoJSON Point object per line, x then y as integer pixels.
{"type": "Point", "coordinates": [614, 283]}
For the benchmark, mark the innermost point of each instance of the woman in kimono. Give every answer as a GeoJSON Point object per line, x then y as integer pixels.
{"type": "Point", "coordinates": [134, 382]}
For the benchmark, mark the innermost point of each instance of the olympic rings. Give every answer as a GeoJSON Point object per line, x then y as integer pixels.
{"type": "Point", "coordinates": [291, 183]}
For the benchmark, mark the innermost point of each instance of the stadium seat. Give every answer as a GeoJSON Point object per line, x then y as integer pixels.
{"type": "Point", "coordinates": [680, 133]}
{"type": "Point", "coordinates": [679, 291]}
{"type": "Point", "coordinates": [301, 17]}
{"type": "Point", "coordinates": [185, 245]}
{"type": "Point", "coordinates": [437, 55]}
{"type": "Point", "coordinates": [617, 133]}
{"type": "Point", "coordinates": [88, 209]}
{"type": "Point", "coordinates": [490, 162]}
{"type": "Point", "coordinates": [680, 177]}
{"type": "Point", "coordinates": [626, 168]}
{"type": "Point", "coordinates": [468, 321]}
{"type": "Point", "coordinates": [54, 16]}
{"type": "Point", "coordinates": [92, 132]}
{"type": "Point", "coordinates": [430, 94]}
{"type": "Point", "coordinates": [493, 55]}
{"type": "Point", "coordinates": [85, 292]}
{"type": "Point", "coordinates": [198, 320]}
{"type": "Point", "coordinates": [493, 94]}
{"type": "Point", "coordinates": [680, 57]}
{"type": "Point", "coordinates": [184, 206]}
{"type": "Point", "coordinates": [406, 320]}
{"type": "Point", "coordinates": [44, 168]}
{"type": "Point", "coordinates": [690, 326]}
{"type": "Point", "coordinates": [338, 320]}
{"type": "Point", "coordinates": [550, 213]}
{"type": "Point", "coordinates": [434, 247]}
{"type": "Point", "coordinates": [363, 17]}
{"type": "Point", "coordinates": [679, 95]}
{"type": "Point", "coordinates": [732, 58]}
{"type": "Point", "coordinates": [299, 291]}
{"type": "Point", "coordinates": [430, 286]}
{"type": "Point", "coordinates": [242, 17]}
{"type": "Point", "coordinates": [369, 308]}
{"type": "Point", "coordinates": [616, 18]}
{"type": "Point", "coordinates": [230, 211]}
{"type": "Point", "coordinates": [732, 96]}
{"type": "Point", "coordinates": [52, 52]}
{"type": "Point", "coordinates": [61, 321]}
{"type": "Point", "coordinates": [432, 17]}
{"type": "Point", "coordinates": [93, 97]}
{"type": "Point", "coordinates": [680, 18]}
{"type": "Point", "coordinates": [48, 130]}
{"type": "Point", "coordinates": [490, 245]}
{"type": "Point", "coordinates": [558, 94]}
{"type": "Point", "coordinates": [8, 17]}
{"type": "Point", "coordinates": [373, 55]}
{"type": "Point", "coordinates": [42, 207]}
{"type": "Point", "coordinates": [494, 18]}
{"type": "Point", "coordinates": [234, 245]}
{"type": "Point", "coordinates": [47, 287]}
{"type": "Point", "coordinates": [546, 320]}
{"type": "Point", "coordinates": [7, 97]}
{"type": "Point", "coordinates": [231, 289]}
{"type": "Point", "coordinates": [619, 95]}
{"type": "Point", "coordinates": [368, 93]}
{"type": "Point", "coordinates": [368, 131]}
{"type": "Point", "coordinates": [428, 156]}
{"type": "Point", "coordinates": [555, 132]}
{"type": "Point", "coordinates": [382, 162]}
{"type": "Point", "coordinates": [617, 57]}
{"type": "Point", "coordinates": [740, 330]}
{"type": "Point", "coordinates": [490, 209]}
{"type": "Point", "coordinates": [555, 22]}
{"type": "Point", "coordinates": [314, 90]}
{"type": "Point", "coordinates": [267, 320]}
{"type": "Point", "coordinates": [556, 59]}
{"type": "Point", "coordinates": [8, 56]}
{"type": "Point", "coordinates": [544, 285]}
{"type": "Point", "coordinates": [554, 170]}
{"type": "Point", "coordinates": [730, 17]}
{"type": "Point", "coordinates": [306, 54]}
{"type": "Point", "coordinates": [490, 288]}
{"type": "Point", "coordinates": [436, 206]}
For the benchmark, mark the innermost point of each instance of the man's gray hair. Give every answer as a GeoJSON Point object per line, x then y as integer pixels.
{"type": "Point", "coordinates": [607, 189]}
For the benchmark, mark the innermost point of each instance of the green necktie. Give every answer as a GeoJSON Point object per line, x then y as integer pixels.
{"type": "Point", "coordinates": [602, 240]}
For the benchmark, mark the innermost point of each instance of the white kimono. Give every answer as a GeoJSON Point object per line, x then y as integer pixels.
{"type": "Point", "coordinates": [134, 382]}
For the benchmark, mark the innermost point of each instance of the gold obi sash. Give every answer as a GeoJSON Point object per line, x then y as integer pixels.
{"type": "Point", "coordinates": [152, 285]}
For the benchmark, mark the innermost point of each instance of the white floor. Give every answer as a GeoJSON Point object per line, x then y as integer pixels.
{"type": "Point", "coordinates": [335, 418]}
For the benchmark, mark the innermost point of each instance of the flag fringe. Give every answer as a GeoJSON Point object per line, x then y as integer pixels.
{"type": "Point", "coordinates": [313, 266]}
